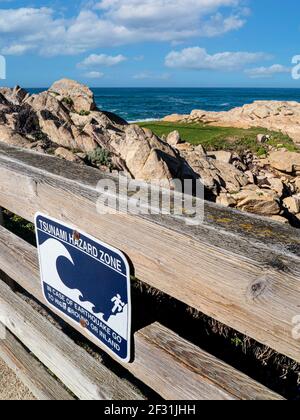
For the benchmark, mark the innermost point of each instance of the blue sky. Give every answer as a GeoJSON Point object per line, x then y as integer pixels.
{"type": "Point", "coordinates": [140, 43]}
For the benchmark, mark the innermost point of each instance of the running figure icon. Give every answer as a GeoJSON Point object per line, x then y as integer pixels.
{"type": "Point", "coordinates": [118, 304]}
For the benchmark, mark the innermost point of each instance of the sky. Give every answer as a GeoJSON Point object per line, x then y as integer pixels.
{"type": "Point", "coordinates": [150, 43]}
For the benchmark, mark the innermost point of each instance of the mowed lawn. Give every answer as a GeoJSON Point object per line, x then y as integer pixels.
{"type": "Point", "coordinates": [222, 138]}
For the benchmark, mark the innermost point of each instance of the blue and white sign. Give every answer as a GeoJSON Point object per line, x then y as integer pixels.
{"type": "Point", "coordinates": [88, 281]}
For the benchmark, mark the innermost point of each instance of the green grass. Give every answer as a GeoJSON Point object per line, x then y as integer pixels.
{"type": "Point", "coordinates": [222, 138]}
{"type": "Point", "coordinates": [19, 227]}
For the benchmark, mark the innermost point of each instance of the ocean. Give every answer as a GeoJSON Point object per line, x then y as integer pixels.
{"type": "Point", "coordinates": [139, 104]}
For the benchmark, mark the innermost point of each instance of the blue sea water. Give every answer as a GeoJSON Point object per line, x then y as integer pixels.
{"type": "Point", "coordinates": [134, 104]}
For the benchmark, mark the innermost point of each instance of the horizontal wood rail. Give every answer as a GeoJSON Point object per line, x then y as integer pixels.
{"type": "Point", "coordinates": [239, 269]}
{"type": "Point", "coordinates": [31, 372]}
{"type": "Point", "coordinates": [171, 366]}
{"type": "Point", "coordinates": [80, 372]}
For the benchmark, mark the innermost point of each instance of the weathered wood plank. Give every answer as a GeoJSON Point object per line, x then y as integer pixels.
{"type": "Point", "coordinates": [239, 269]}
{"type": "Point", "coordinates": [80, 372]}
{"type": "Point", "coordinates": [32, 373]}
{"type": "Point", "coordinates": [195, 371]}
{"type": "Point", "coordinates": [171, 366]}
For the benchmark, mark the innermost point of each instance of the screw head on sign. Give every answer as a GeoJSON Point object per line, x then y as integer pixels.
{"type": "Point", "coordinates": [76, 235]}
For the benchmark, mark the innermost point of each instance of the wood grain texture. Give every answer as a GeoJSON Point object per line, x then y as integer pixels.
{"type": "Point", "coordinates": [31, 372]}
{"type": "Point", "coordinates": [209, 376]}
{"type": "Point", "coordinates": [80, 372]}
{"type": "Point", "coordinates": [242, 270]}
{"type": "Point", "coordinates": [173, 367]}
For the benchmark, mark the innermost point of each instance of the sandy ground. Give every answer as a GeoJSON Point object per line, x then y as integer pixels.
{"type": "Point", "coordinates": [10, 386]}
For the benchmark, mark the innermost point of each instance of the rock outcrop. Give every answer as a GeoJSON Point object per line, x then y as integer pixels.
{"type": "Point", "coordinates": [258, 201]}
{"type": "Point", "coordinates": [174, 138]}
{"type": "Point", "coordinates": [74, 94]}
{"type": "Point", "coordinates": [267, 187]}
{"type": "Point", "coordinates": [65, 122]}
{"type": "Point", "coordinates": [216, 174]}
{"type": "Point", "coordinates": [66, 154]}
{"type": "Point", "coordinates": [288, 162]}
{"type": "Point", "coordinates": [272, 115]}
{"type": "Point", "coordinates": [9, 136]}
{"type": "Point", "coordinates": [14, 96]}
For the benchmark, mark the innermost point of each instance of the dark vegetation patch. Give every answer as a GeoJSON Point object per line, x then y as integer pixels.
{"type": "Point", "coordinates": [84, 113]}
{"type": "Point", "coordinates": [26, 121]}
{"type": "Point", "coordinates": [68, 101]}
{"type": "Point", "coordinates": [19, 227]}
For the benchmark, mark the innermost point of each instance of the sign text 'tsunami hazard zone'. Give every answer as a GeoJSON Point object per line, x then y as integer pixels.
{"type": "Point", "coordinates": [88, 281]}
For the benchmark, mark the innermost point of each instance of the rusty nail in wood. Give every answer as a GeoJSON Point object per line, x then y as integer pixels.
{"type": "Point", "coordinates": [83, 323]}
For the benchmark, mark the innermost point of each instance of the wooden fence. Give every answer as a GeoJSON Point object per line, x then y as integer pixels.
{"type": "Point", "coordinates": [239, 269]}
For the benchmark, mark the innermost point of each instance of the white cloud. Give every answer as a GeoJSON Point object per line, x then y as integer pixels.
{"type": "Point", "coordinates": [151, 76]}
{"type": "Point", "coordinates": [94, 75]}
{"type": "Point", "coordinates": [25, 20]}
{"type": "Point", "coordinates": [117, 22]}
{"type": "Point", "coordinates": [17, 49]}
{"type": "Point", "coordinates": [266, 72]}
{"type": "Point", "coordinates": [102, 60]}
{"type": "Point", "coordinates": [30, 24]}
{"type": "Point", "coordinates": [161, 13]}
{"type": "Point", "coordinates": [174, 20]}
{"type": "Point", "coordinates": [28, 28]}
{"type": "Point", "coordinates": [197, 58]}
{"type": "Point", "coordinates": [219, 24]}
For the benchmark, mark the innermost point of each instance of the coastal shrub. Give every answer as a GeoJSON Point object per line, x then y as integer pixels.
{"type": "Point", "coordinates": [68, 101]}
{"type": "Point", "coordinates": [100, 157]}
{"type": "Point", "coordinates": [83, 113]}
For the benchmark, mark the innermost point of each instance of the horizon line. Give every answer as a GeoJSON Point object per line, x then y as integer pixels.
{"type": "Point", "coordinates": [171, 87]}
